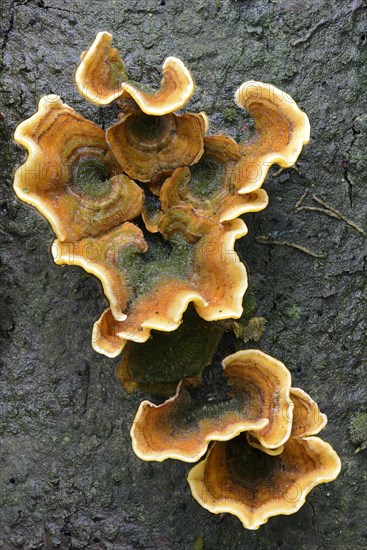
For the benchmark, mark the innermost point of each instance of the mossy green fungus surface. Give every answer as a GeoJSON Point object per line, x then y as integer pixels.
{"type": "Point", "coordinates": [119, 73]}
{"type": "Point", "coordinates": [163, 260]}
{"type": "Point", "coordinates": [91, 177]}
{"type": "Point", "coordinates": [139, 85]}
{"type": "Point", "coordinates": [159, 364]}
{"type": "Point", "coordinates": [206, 179]}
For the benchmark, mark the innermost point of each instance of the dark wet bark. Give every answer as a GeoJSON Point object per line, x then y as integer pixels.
{"type": "Point", "coordinates": [71, 479]}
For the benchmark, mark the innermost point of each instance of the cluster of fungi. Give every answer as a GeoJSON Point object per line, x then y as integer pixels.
{"type": "Point", "coordinates": [152, 207]}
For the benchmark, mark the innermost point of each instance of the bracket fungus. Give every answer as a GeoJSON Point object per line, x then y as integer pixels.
{"type": "Point", "coordinates": [101, 78]}
{"type": "Point", "coordinates": [281, 130]}
{"type": "Point", "coordinates": [254, 398]}
{"type": "Point", "coordinates": [150, 206]}
{"type": "Point", "coordinates": [307, 418]}
{"type": "Point", "coordinates": [211, 185]}
{"type": "Point", "coordinates": [146, 145]}
{"type": "Point", "coordinates": [70, 174]}
{"type": "Point", "coordinates": [243, 478]}
{"type": "Point", "coordinates": [225, 183]}
{"type": "Point", "coordinates": [192, 259]}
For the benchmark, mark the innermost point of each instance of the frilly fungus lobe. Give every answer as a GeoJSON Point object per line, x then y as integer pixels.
{"type": "Point", "coordinates": [281, 130]}
{"type": "Point", "coordinates": [211, 185]}
{"type": "Point", "coordinates": [256, 400]}
{"type": "Point", "coordinates": [146, 145]}
{"type": "Point", "coordinates": [82, 180]}
{"type": "Point", "coordinates": [71, 176]}
{"type": "Point", "coordinates": [245, 479]}
{"type": "Point", "coordinates": [254, 486]}
{"type": "Point", "coordinates": [101, 78]}
{"type": "Point", "coordinates": [197, 264]}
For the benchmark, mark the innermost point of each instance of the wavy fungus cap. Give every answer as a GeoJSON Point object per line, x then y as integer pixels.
{"type": "Point", "coordinates": [101, 256]}
{"type": "Point", "coordinates": [149, 283]}
{"type": "Point", "coordinates": [306, 420]}
{"type": "Point", "coordinates": [226, 181]}
{"type": "Point", "coordinates": [255, 399]}
{"type": "Point", "coordinates": [281, 130]}
{"type": "Point", "coordinates": [211, 185]}
{"type": "Point", "coordinates": [243, 478]}
{"type": "Point", "coordinates": [70, 175]}
{"type": "Point", "coordinates": [101, 78]}
{"type": "Point", "coordinates": [145, 145]}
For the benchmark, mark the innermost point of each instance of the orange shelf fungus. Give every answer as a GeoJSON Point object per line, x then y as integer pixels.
{"type": "Point", "coordinates": [191, 259]}
{"type": "Point", "coordinates": [70, 175]}
{"type": "Point", "coordinates": [211, 186]}
{"type": "Point", "coordinates": [281, 130]}
{"type": "Point", "coordinates": [226, 181]}
{"type": "Point", "coordinates": [307, 418]}
{"type": "Point", "coordinates": [101, 78]}
{"type": "Point", "coordinates": [151, 207]}
{"type": "Point", "coordinates": [145, 145]}
{"type": "Point", "coordinates": [101, 256]}
{"type": "Point", "coordinates": [243, 478]}
{"type": "Point", "coordinates": [254, 398]}
{"type": "Point", "coordinates": [254, 442]}
{"type": "Point", "coordinates": [254, 486]}
{"type": "Point", "coordinates": [275, 378]}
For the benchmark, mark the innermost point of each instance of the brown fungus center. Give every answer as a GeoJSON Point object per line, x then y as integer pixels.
{"type": "Point", "coordinates": [248, 466]}
{"type": "Point", "coordinates": [149, 132]}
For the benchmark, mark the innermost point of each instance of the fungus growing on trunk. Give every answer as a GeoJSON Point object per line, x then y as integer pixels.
{"type": "Point", "coordinates": [145, 145]}
{"type": "Point", "coordinates": [254, 486]}
{"type": "Point", "coordinates": [191, 259]}
{"type": "Point", "coordinates": [254, 398]}
{"type": "Point", "coordinates": [281, 130]}
{"type": "Point", "coordinates": [210, 186]}
{"type": "Point", "coordinates": [101, 78]}
{"type": "Point", "coordinates": [165, 242]}
{"type": "Point", "coordinates": [243, 478]}
{"type": "Point", "coordinates": [166, 358]}
{"type": "Point", "coordinates": [225, 183]}
{"type": "Point", "coordinates": [70, 174]}
{"type": "Point", "coordinates": [78, 177]}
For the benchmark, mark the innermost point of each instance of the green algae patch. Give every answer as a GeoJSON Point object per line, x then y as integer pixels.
{"type": "Point", "coordinates": [358, 430]}
{"type": "Point", "coordinates": [206, 179]}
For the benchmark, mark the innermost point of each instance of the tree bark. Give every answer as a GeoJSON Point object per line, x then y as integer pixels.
{"type": "Point", "coordinates": [71, 479]}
